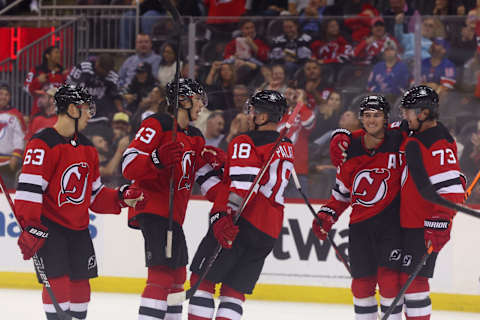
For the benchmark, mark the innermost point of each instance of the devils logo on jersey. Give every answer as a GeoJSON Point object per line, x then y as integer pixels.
{"type": "Point", "coordinates": [73, 184]}
{"type": "Point", "coordinates": [187, 169]}
{"type": "Point", "coordinates": [370, 186]}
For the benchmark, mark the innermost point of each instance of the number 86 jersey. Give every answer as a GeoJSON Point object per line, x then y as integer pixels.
{"type": "Point", "coordinates": [247, 154]}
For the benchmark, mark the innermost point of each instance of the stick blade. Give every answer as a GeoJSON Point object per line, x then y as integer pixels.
{"type": "Point", "coordinates": [176, 298]}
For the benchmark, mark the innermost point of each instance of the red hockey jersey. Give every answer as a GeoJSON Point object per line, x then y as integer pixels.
{"type": "Point", "coordinates": [61, 182]}
{"type": "Point", "coordinates": [431, 157]}
{"type": "Point", "coordinates": [369, 180]}
{"type": "Point", "coordinates": [155, 183]}
{"type": "Point", "coordinates": [246, 155]}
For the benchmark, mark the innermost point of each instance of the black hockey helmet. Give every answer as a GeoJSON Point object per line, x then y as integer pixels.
{"type": "Point", "coordinates": [271, 102]}
{"type": "Point", "coordinates": [375, 102]}
{"type": "Point", "coordinates": [69, 94]}
{"type": "Point", "coordinates": [421, 97]}
{"type": "Point", "coordinates": [187, 88]}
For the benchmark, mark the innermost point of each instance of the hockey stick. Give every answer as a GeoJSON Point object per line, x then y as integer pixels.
{"type": "Point", "coordinates": [62, 315]}
{"type": "Point", "coordinates": [471, 186]}
{"type": "Point", "coordinates": [424, 185]}
{"type": "Point", "coordinates": [343, 258]}
{"type": "Point", "coordinates": [410, 279]}
{"type": "Point", "coordinates": [177, 20]}
{"type": "Point", "coordinates": [179, 297]}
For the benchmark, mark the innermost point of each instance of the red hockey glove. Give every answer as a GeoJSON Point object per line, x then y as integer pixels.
{"type": "Point", "coordinates": [339, 143]}
{"type": "Point", "coordinates": [167, 155]}
{"type": "Point", "coordinates": [214, 156]}
{"type": "Point", "coordinates": [223, 228]}
{"type": "Point", "coordinates": [131, 197]}
{"type": "Point", "coordinates": [31, 239]}
{"type": "Point", "coordinates": [437, 230]}
{"type": "Point", "coordinates": [327, 217]}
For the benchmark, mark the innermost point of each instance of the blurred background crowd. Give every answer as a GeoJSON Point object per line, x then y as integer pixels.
{"type": "Point", "coordinates": [326, 53]}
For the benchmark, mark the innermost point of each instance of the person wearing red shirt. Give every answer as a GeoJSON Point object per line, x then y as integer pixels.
{"type": "Point", "coordinates": [47, 116]}
{"type": "Point", "coordinates": [58, 185]}
{"type": "Point", "coordinates": [44, 76]}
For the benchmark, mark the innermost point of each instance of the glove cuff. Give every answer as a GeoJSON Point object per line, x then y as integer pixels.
{"type": "Point", "coordinates": [217, 216]}
{"type": "Point", "coordinates": [37, 231]}
{"type": "Point", "coordinates": [340, 131]}
{"type": "Point", "coordinates": [441, 224]}
{"type": "Point", "coordinates": [330, 212]}
{"type": "Point", "coordinates": [156, 160]}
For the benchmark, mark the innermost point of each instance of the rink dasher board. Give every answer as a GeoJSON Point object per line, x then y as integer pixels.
{"type": "Point", "coordinates": [300, 268]}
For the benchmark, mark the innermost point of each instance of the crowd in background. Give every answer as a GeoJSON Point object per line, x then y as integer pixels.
{"type": "Point", "coordinates": [327, 54]}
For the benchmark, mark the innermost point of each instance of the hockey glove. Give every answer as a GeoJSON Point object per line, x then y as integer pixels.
{"type": "Point", "coordinates": [437, 230]}
{"type": "Point", "coordinates": [223, 228]}
{"type": "Point", "coordinates": [131, 197]}
{"type": "Point", "coordinates": [31, 239]}
{"type": "Point", "coordinates": [339, 143]}
{"type": "Point", "coordinates": [167, 155]}
{"type": "Point", "coordinates": [214, 156]}
{"type": "Point", "coordinates": [322, 226]}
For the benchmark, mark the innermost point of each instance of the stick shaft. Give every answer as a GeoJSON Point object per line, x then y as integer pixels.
{"type": "Point", "coordinates": [472, 185]}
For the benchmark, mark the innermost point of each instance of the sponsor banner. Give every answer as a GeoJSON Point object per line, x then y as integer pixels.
{"type": "Point", "coordinates": [298, 258]}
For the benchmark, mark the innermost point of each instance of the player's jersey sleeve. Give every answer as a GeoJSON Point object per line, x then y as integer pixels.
{"type": "Point", "coordinates": [103, 200]}
{"type": "Point", "coordinates": [340, 198]}
{"type": "Point", "coordinates": [208, 179]}
{"type": "Point", "coordinates": [37, 170]}
{"type": "Point", "coordinates": [443, 172]}
{"type": "Point", "coordinates": [136, 162]}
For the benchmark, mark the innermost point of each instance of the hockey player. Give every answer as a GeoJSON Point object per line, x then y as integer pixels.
{"type": "Point", "coordinates": [58, 183]}
{"type": "Point", "coordinates": [260, 223]}
{"type": "Point", "coordinates": [369, 181]}
{"type": "Point", "coordinates": [431, 158]}
{"type": "Point", "coordinates": [149, 160]}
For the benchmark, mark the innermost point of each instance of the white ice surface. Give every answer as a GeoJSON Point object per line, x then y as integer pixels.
{"type": "Point", "coordinates": [26, 305]}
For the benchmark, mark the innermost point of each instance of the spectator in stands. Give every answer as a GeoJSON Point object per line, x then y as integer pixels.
{"type": "Point", "coordinates": [240, 124]}
{"type": "Point", "coordinates": [168, 64]}
{"type": "Point", "coordinates": [144, 53]}
{"type": "Point", "coordinates": [222, 28]}
{"type": "Point", "coordinates": [220, 82]}
{"type": "Point", "coordinates": [110, 169]}
{"type": "Point", "coordinates": [277, 80]}
{"type": "Point", "coordinates": [140, 87]}
{"type": "Point", "coordinates": [462, 39]}
{"type": "Point", "coordinates": [153, 103]}
{"type": "Point", "coordinates": [332, 48]}
{"type": "Point", "coordinates": [396, 7]}
{"type": "Point", "coordinates": [391, 76]}
{"type": "Point", "coordinates": [369, 50]}
{"type": "Point", "coordinates": [214, 128]}
{"type": "Point", "coordinates": [46, 117]}
{"type": "Point", "coordinates": [314, 85]}
{"type": "Point", "coordinates": [470, 160]}
{"type": "Point", "coordinates": [437, 71]}
{"type": "Point", "coordinates": [291, 48]}
{"type": "Point", "coordinates": [12, 134]}
{"type": "Point", "coordinates": [101, 81]}
{"type": "Point", "coordinates": [298, 133]}
{"type": "Point", "coordinates": [240, 98]}
{"type": "Point", "coordinates": [327, 115]}
{"type": "Point", "coordinates": [150, 10]}
{"type": "Point", "coordinates": [311, 16]}
{"type": "Point", "coordinates": [296, 6]}
{"type": "Point", "coordinates": [266, 7]}
{"type": "Point", "coordinates": [407, 40]}
{"type": "Point", "coordinates": [362, 23]}
{"type": "Point", "coordinates": [471, 71]}
{"type": "Point", "coordinates": [49, 73]}
{"type": "Point", "coordinates": [247, 48]}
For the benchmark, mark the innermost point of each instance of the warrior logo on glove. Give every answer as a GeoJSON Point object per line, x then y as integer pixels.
{"type": "Point", "coordinates": [73, 184]}
{"type": "Point", "coordinates": [370, 186]}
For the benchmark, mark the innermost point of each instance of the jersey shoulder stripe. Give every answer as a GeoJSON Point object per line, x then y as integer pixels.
{"type": "Point", "coordinates": [261, 138]}
{"type": "Point", "coordinates": [165, 120]}
{"type": "Point", "coordinates": [393, 140]}
{"type": "Point", "coordinates": [194, 132]}
{"type": "Point", "coordinates": [429, 137]}
{"type": "Point", "coordinates": [51, 137]}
